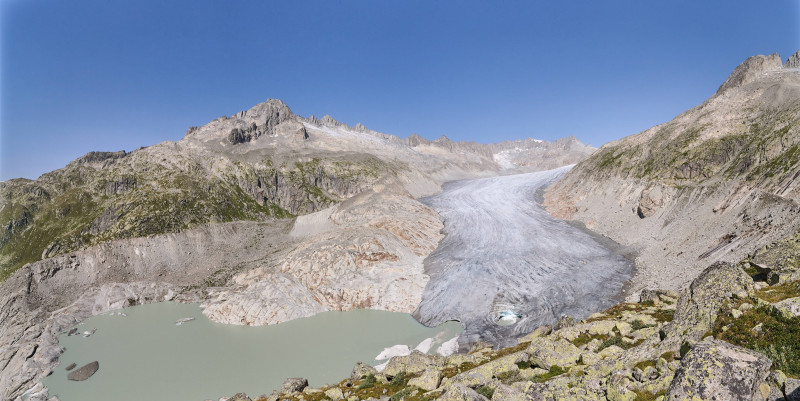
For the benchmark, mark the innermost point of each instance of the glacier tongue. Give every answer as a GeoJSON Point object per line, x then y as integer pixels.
{"type": "Point", "coordinates": [504, 252]}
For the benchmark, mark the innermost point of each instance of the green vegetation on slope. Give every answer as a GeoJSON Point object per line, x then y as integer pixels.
{"type": "Point", "coordinates": [766, 151]}
{"type": "Point", "coordinates": [134, 196]}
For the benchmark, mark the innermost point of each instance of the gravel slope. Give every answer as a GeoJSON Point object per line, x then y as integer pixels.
{"type": "Point", "coordinates": [504, 252]}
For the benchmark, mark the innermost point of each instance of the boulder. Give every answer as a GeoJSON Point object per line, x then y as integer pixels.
{"type": "Point", "coordinates": [294, 384]}
{"type": "Point", "coordinates": [624, 328]}
{"type": "Point", "coordinates": [779, 260]}
{"type": "Point", "coordinates": [71, 366]}
{"type": "Point", "coordinates": [791, 389]}
{"type": "Point", "coordinates": [545, 353]}
{"type": "Point", "coordinates": [603, 327]}
{"type": "Point", "coordinates": [503, 392]}
{"type": "Point", "coordinates": [240, 397]}
{"type": "Point", "coordinates": [699, 305]}
{"type": "Point", "coordinates": [485, 373]}
{"type": "Point", "coordinates": [335, 394]}
{"type": "Point", "coordinates": [84, 372]}
{"type": "Point", "coordinates": [788, 308]}
{"type": "Point", "coordinates": [720, 370]}
{"type": "Point", "coordinates": [650, 200]}
{"type": "Point", "coordinates": [362, 369]}
{"type": "Point", "coordinates": [429, 380]}
{"type": "Point", "coordinates": [619, 388]}
{"type": "Point", "coordinates": [416, 362]}
{"type": "Point", "coordinates": [460, 392]}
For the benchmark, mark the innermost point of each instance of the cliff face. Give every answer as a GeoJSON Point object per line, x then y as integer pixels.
{"type": "Point", "coordinates": [716, 183]}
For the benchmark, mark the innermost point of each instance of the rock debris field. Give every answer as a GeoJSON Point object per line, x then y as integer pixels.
{"type": "Point", "coordinates": [504, 253]}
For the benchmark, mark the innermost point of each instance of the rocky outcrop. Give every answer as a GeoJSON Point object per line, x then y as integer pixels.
{"type": "Point", "coordinates": [793, 61]}
{"type": "Point", "coordinates": [718, 370]}
{"type": "Point", "coordinates": [293, 385]}
{"type": "Point", "coordinates": [365, 259]}
{"type": "Point", "coordinates": [751, 70]}
{"type": "Point", "coordinates": [651, 200]}
{"type": "Point", "coordinates": [779, 261]}
{"type": "Point", "coordinates": [260, 120]}
{"type": "Point", "coordinates": [699, 306]}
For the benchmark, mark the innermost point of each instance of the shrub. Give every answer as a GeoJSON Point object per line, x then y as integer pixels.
{"type": "Point", "coordinates": [368, 382]}
{"type": "Point", "coordinates": [485, 391]}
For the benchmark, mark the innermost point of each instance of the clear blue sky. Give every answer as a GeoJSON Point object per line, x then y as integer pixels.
{"type": "Point", "coordinates": [109, 75]}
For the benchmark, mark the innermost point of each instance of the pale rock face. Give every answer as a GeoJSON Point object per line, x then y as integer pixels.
{"type": "Point", "coordinates": [793, 61]}
{"type": "Point", "coordinates": [368, 256]}
{"type": "Point", "coordinates": [750, 70]}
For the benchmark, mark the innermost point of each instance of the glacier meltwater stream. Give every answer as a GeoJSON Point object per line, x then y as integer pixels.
{"type": "Point", "coordinates": [505, 267]}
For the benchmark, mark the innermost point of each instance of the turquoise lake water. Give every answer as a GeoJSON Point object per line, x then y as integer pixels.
{"type": "Point", "coordinates": [146, 356]}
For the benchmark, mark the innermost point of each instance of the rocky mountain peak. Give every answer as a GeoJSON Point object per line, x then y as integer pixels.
{"type": "Point", "coordinates": [793, 61]}
{"type": "Point", "coordinates": [329, 121]}
{"type": "Point", "coordinates": [750, 70]}
{"type": "Point", "coordinates": [271, 113]}
{"type": "Point", "coordinates": [261, 119]}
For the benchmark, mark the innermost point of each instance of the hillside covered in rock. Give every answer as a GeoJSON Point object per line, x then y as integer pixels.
{"type": "Point", "coordinates": [262, 163]}
{"type": "Point", "coordinates": [264, 216]}
{"type": "Point", "coordinates": [716, 183]}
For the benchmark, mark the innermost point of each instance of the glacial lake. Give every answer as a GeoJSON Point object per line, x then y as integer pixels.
{"type": "Point", "coordinates": [146, 356]}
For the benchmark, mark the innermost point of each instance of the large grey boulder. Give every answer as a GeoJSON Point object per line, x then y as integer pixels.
{"type": "Point", "coordinates": [699, 305]}
{"type": "Point", "coordinates": [460, 392]}
{"type": "Point", "coordinates": [787, 308]}
{"type": "Point", "coordinates": [362, 369]}
{"type": "Point", "coordinates": [429, 380]}
{"type": "Point", "coordinates": [84, 372]}
{"type": "Point", "coordinates": [546, 352]}
{"type": "Point", "coordinates": [416, 362]}
{"type": "Point", "coordinates": [240, 397]}
{"type": "Point", "coordinates": [779, 261]}
{"type": "Point", "coordinates": [718, 370]}
{"type": "Point", "coordinates": [294, 384]}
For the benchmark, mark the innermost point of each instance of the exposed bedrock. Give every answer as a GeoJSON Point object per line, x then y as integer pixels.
{"type": "Point", "coordinates": [503, 252]}
{"type": "Point", "coordinates": [366, 252]}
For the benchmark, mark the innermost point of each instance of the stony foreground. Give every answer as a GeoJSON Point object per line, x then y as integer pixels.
{"type": "Point", "coordinates": [729, 336]}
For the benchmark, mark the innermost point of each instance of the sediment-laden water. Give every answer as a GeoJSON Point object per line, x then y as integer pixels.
{"type": "Point", "coordinates": [146, 356]}
{"type": "Point", "coordinates": [506, 260]}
